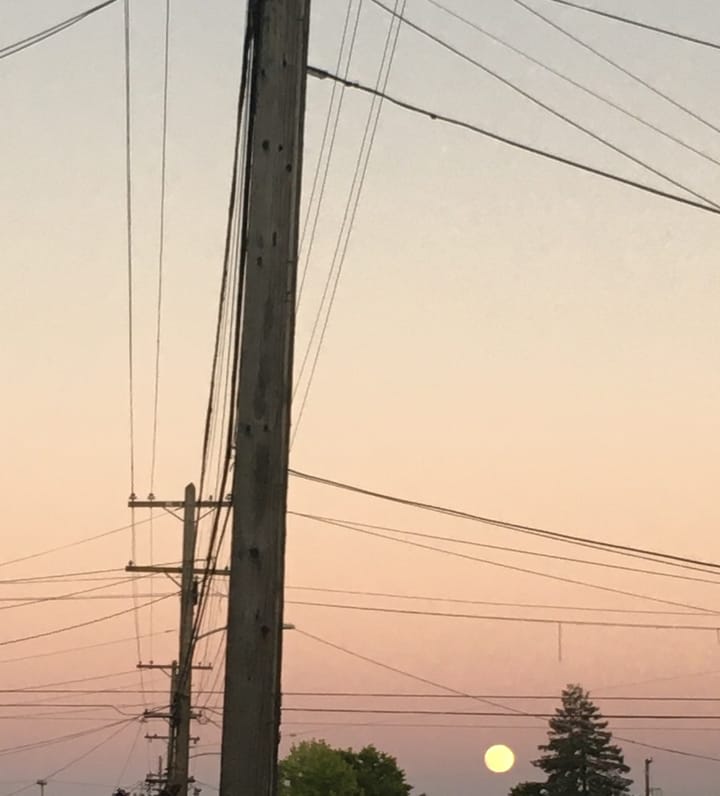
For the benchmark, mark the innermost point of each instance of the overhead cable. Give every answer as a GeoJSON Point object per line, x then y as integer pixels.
{"type": "Point", "coordinates": [58, 739]}
{"type": "Point", "coordinates": [327, 300]}
{"type": "Point", "coordinates": [78, 625]}
{"type": "Point", "coordinates": [36, 38]}
{"type": "Point", "coordinates": [77, 759]}
{"type": "Point", "coordinates": [234, 258]}
{"type": "Point", "coordinates": [434, 115]}
{"type": "Point", "coordinates": [638, 24]}
{"type": "Point", "coordinates": [571, 81]}
{"type": "Point", "coordinates": [529, 529]}
{"type": "Point", "coordinates": [532, 620]}
{"type": "Point", "coordinates": [546, 107]}
{"type": "Point", "coordinates": [533, 553]}
{"type": "Point", "coordinates": [523, 570]}
{"type": "Point", "coordinates": [425, 725]}
{"type": "Point", "coordinates": [161, 263]}
{"type": "Point", "coordinates": [494, 603]}
{"type": "Point", "coordinates": [82, 648]}
{"type": "Point", "coordinates": [70, 595]}
{"type": "Point", "coordinates": [327, 147]}
{"type": "Point", "coordinates": [69, 545]}
{"type": "Point", "coordinates": [440, 686]}
{"type": "Point", "coordinates": [616, 65]}
{"type": "Point", "coordinates": [496, 714]}
{"type": "Point", "coordinates": [516, 697]}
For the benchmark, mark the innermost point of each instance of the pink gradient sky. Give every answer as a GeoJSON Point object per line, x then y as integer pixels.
{"type": "Point", "coordinates": [509, 337]}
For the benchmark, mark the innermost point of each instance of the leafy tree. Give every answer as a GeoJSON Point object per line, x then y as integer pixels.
{"type": "Point", "coordinates": [579, 757]}
{"type": "Point", "coordinates": [313, 768]}
{"type": "Point", "coordinates": [377, 773]}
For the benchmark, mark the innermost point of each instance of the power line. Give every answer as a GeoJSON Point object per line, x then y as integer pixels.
{"type": "Point", "coordinates": [78, 625]}
{"type": "Point", "coordinates": [353, 695]}
{"type": "Point", "coordinates": [440, 686]}
{"type": "Point", "coordinates": [161, 249]}
{"type": "Point", "coordinates": [22, 601]}
{"type": "Point", "coordinates": [82, 648]}
{"type": "Point", "coordinates": [680, 752]}
{"type": "Point", "coordinates": [465, 726]}
{"type": "Point", "coordinates": [230, 339]}
{"type": "Point", "coordinates": [496, 714]}
{"type": "Point", "coordinates": [638, 24]}
{"type": "Point", "coordinates": [468, 126]}
{"type": "Point", "coordinates": [70, 545]}
{"type": "Point", "coordinates": [518, 697]}
{"type": "Point", "coordinates": [520, 551]}
{"type": "Point", "coordinates": [351, 207]}
{"type": "Point", "coordinates": [627, 72]}
{"type": "Point", "coordinates": [533, 620]}
{"type": "Point", "coordinates": [78, 759]}
{"type": "Point", "coordinates": [235, 244]}
{"type": "Point", "coordinates": [63, 577]}
{"type": "Point", "coordinates": [545, 106]}
{"type": "Point", "coordinates": [161, 253]}
{"type": "Point", "coordinates": [85, 691]}
{"type": "Point", "coordinates": [325, 146]}
{"type": "Point", "coordinates": [133, 745]}
{"type": "Point", "coordinates": [77, 680]}
{"type": "Point", "coordinates": [36, 38]}
{"type": "Point", "coordinates": [75, 705]}
{"type": "Point", "coordinates": [130, 321]}
{"type": "Point", "coordinates": [77, 712]}
{"type": "Point", "coordinates": [571, 81]}
{"type": "Point", "coordinates": [58, 739]}
{"type": "Point", "coordinates": [82, 593]}
{"type": "Point", "coordinates": [524, 570]}
{"type": "Point", "coordinates": [512, 526]}
{"type": "Point", "coordinates": [129, 237]}
{"type": "Point", "coordinates": [403, 672]}
{"type": "Point", "coordinates": [451, 690]}
{"type": "Point", "coordinates": [495, 603]}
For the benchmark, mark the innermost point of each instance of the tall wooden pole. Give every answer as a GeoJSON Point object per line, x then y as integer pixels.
{"type": "Point", "coordinates": [182, 702]}
{"type": "Point", "coordinates": [255, 605]}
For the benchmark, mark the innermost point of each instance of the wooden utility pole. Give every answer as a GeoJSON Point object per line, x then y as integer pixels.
{"type": "Point", "coordinates": [255, 606]}
{"type": "Point", "coordinates": [181, 707]}
{"type": "Point", "coordinates": [181, 714]}
{"type": "Point", "coordinates": [648, 763]}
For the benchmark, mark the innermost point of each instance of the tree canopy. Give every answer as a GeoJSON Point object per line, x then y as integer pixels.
{"type": "Point", "coordinates": [579, 756]}
{"type": "Point", "coordinates": [313, 768]}
{"type": "Point", "coordinates": [377, 773]}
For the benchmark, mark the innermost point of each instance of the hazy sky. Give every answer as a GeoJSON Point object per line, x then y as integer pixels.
{"type": "Point", "coordinates": [509, 336]}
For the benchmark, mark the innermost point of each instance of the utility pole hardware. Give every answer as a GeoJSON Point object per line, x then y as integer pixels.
{"type": "Point", "coordinates": [276, 101]}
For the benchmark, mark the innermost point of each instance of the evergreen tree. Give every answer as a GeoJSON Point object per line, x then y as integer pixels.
{"type": "Point", "coordinates": [529, 789]}
{"type": "Point", "coordinates": [579, 757]}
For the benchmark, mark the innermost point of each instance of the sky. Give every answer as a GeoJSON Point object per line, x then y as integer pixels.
{"type": "Point", "coordinates": [509, 337]}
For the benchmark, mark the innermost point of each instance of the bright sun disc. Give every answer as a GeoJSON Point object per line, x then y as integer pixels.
{"type": "Point", "coordinates": [499, 759]}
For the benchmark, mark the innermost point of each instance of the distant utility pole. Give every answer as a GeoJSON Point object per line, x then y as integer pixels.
{"type": "Point", "coordinates": [257, 568]}
{"type": "Point", "coordinates": [180, 716]}
{"type": "Point", "coordinates": [42, 783]}
{"type": "Point", "coordinates": [648, 763]}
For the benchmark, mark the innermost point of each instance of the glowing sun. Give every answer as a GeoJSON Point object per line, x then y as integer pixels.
{"type": "Point", "coordinates": [499, 759]}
